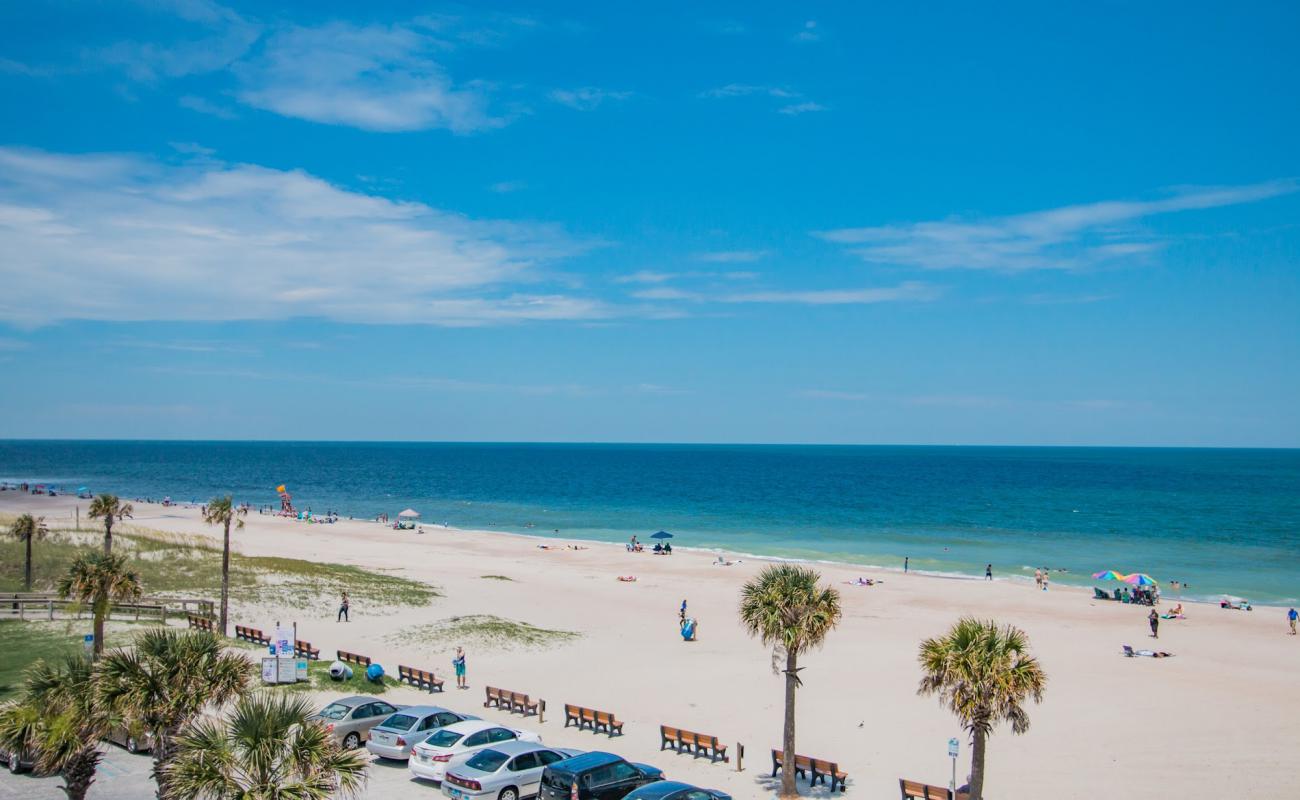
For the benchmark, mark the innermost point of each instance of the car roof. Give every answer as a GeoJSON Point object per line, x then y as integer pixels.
{"type": "Point", "coordinates": [422, 711]}
{"type": "Point", "coordinates": [468, 726]}
{"type": "Point", "coordinates": [355, 700]}
{"type": "Point", "coordinates": [661, 788]}
{"type": "Point", "coordinates": [515, 747]}
{"type": "Point", "coordinates": [586, 761]}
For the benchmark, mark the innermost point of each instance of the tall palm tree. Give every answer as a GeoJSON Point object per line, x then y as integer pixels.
{"type": "Point", "coordinates": [222, 511]}
{"type": "Point", "coordinates": [791, 613]}
{"type": "Point", "coordinates": [983, 674]}
{"type": "Point", "coordinates": [58, 722]}
{"type": "Point", "coordinates": [25, 529]}
{"type": "Point", "coordinates": [110, 508]}
{"type": "Point", "coordinates": [166, 681]}
{"type": "Point", "coordinates": [268, 747]}
{"type": "Point", "coordinates": [100, 580]}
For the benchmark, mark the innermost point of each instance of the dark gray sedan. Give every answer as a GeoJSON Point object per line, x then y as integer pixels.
{"type": "Point", "coordinates": [675, 790]}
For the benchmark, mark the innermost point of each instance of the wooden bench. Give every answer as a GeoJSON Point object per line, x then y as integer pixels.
{"type": "Point", "coordinates": [697, 744]}
{"type": "Point", "coordinates": [512, 701]}
{"type": "Point", "coordinates": [597, 720]}
{"type": "Point", "coordinates": [353, 658]}
{"type": "Point", "coordinates": [303, 649]}
{"type": "Point", "coordinates": [816, 770]}
{"type": "Point", "coordinates": [199, 623]}
{"type": "Point", "coordinates": [247, 634]}
{"type": "Point", "coordinates": [915, 790]}
{"type": "Point", "coordinates": [421, 678]}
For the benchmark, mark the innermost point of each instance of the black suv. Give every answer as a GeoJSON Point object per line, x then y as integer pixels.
{"type": "Point", "coordinates": [595, 776]}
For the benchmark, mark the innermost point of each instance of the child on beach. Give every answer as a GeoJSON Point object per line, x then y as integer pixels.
{"type": "Point", "coordinates": [458, 662]}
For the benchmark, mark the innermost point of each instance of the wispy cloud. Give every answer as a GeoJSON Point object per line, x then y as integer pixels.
{"type": "Point", "coordinates": [586, 98]}
{"type": "Point", "coordinates": [204, 106]}
{"type": "Point", "coordinates": [376, 77]}
{"type": "Point", "coordinates": [731, 256]}
{"type": "Point", "coordinates": [124, 238]}
{"type": "Point", "coordinates": [831, 394]}
{"type": "Point", "coordinates": [507, 187]}
{"type": "Point", "coordinates": [747, 90]}
{"type": "Point", "coordinates": [221, 36]}
{"type": "Point", "coordinates": [794, 109]}
{"type": "Point", "coordinates": [8, 345]}
{"type": "Point", "coordinates": [808, 33]}
{"type": "Point", "coordinates": [913, 291]}
{"type": "Point", "coordinates": [1071, 237]}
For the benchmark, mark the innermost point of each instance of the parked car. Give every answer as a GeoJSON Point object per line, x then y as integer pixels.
{"type": "Point", "coordinates": [351, 718]}
{"type": "Point", "coordinates": [675, 790]}
{"type": "Point", "coordinates": [398, 733]}
{"type": "Point", "coordinates": [506, 771]}
{"type": "Point", "coordinates": [132, 737]}
{"type": "Point", "coordinates": [454, 744]}
{"type": "Point", "coordinates": [17, 762]}
{"type": "Point", "coordinates": [595, 776]}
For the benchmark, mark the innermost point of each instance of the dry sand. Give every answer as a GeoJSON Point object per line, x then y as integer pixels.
{"type": "Point", "coordinates": [1221, 719]}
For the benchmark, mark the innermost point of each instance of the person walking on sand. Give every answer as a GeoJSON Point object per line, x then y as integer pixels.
{"type": "Point", "coordinates": [1291, 617]}
{"type": "Point", "coordinates": [1154, 619]}
{"type": "Point", "coordinates": [681, 614]}
{"type": "Point", "coordinates": [459, 663]}
{"type": "Point", "coordinates": [988, 572]}
{"type": "Point", "coordinates": [905, 560]}
{"type": "Point", "coordinates": [344, 605]}
{"type": "Point", "coordinates": [1038, 578]}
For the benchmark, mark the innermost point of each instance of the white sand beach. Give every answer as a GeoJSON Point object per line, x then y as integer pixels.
{"type": "Point", "coordinates": [1217, 720]}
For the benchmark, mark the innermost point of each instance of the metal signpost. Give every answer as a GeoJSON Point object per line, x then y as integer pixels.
{"type": "Point", "coordinates": [89, 641]}
{"type": "Point", "coordinates": [953, 744]}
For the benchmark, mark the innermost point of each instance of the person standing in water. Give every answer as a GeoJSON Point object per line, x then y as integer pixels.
{"type": "Point", "coordinates": [459, 663]}
{"type": "Point", "coordinates": [988, 572]}
{"type": "Point", "coordinates": [344, 605]}
{"type": "Point", "coordinates": [1154, 619]}
{"type": "Point", "coordinates": [905, 560]}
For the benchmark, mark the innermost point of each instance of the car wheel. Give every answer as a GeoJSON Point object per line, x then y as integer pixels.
{"type": "Point", "coordinates": [352, 741]}
{"type": "Point", "coordinates": [132, 746]}
{"type": "Point", "coordinates": [509, 793]}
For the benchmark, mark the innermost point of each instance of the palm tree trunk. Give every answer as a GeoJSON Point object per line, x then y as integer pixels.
{"type": "Point", "coordinates": [977, 765]}
{"type": "Point", "coordinates": [108, 535]}
{"type": "Point", "coordinates": [79, 774]}
{"type": "Point", "coordinates": [27, 572]}
{"type": "Point", "coordinates": [787, 759]}
{"type": "Point", "coordinates": [100, 610]}
{"type": "Point", "coordinates": [162, 753]}
{"type": "Point", "coordinates": [225, 577]}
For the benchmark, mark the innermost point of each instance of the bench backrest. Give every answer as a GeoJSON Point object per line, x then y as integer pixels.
{"type": "Point", "coordinates": [604, 716]}
{"type": "Point", "coordinates": [671, 733]}
{"type": "Point", "coordinates": [573, 710]}
{"type": "Point", "coordinates": [587, 713]}
{"type": "Point", "coordinates": [354, 658]}
{"type": "Point", "coordinates": [828, 767]}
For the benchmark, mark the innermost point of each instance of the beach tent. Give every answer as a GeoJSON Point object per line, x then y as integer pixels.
{"type": "Point", "coordinates": [410, 512]}
{"type": "Point", "coordinates": [661, 535]}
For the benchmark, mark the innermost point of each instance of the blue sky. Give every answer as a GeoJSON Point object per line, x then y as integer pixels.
{"type": "Point", "coordinates": [1037, 223]}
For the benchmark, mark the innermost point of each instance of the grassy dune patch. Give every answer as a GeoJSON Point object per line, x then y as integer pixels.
{"type": "Point", "coordinates": [496, 578]}
{"type": "Point", "coordinates": [483, 631]}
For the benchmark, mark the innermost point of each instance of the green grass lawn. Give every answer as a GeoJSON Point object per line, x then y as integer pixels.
{"type": "Point", "coordinates": [180, 566]}
{"type": "Point", "coordinates": [484, 631]}
{"type": "Point", "coordinates": [22, 643]}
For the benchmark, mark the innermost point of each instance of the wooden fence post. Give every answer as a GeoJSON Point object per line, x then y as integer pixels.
{"type": "Point", "coordinates": [740, 757]}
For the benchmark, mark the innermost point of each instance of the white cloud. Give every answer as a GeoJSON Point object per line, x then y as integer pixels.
{"type": "Point", "coordinates": [506, 187]}
{"type": "Point", "coordinates": [1071, 237]}
{"type": "Point", "coordinates": [121, 238]}
{"type": "Point", "coordinates": [907, 291]}
{"type": "Point", "coordinates": [204, 106]}
{"type": "Point", "coordinates": [794, 109]}
{"type": "Point", "coordinates": [8, 345]}
{"type": "Point", "coordinates": [220, 37]}
{"type": "Point", "coordinates": [746, 90]}
{"type": "Point", "coordinates": [377, 78]}
{"type": "Point", "coordinates": [832, 394]}
{"type": "Point", "coordinates": [808, 33]}
{"type": "Point", "coordinates": [666, 293]}
{"type": "Point", "coordinates": [585, 98]}
{"type": "Point", "coordinates": [731, 256]}
{"type": "Point", "coordinates": [646, 276]}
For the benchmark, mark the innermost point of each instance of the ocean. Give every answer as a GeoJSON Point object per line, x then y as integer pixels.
{"type": "Point", "coordinates": [1221, 521]}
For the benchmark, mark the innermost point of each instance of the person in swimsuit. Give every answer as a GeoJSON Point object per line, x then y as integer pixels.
{"type": "Point", "coordinates": [459, 663]}
{"type": "Point", "coordinates": [1154, 619]}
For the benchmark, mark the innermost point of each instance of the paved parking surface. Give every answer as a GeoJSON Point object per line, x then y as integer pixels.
{"type": "Point", "coordinates": [123, 776]}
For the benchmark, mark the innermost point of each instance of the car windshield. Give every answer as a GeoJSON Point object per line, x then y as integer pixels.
{"type": "Point", "coordinates": [487, 760]}
{"type": "Point", "coordinates": [335, 711]}
{"type": "Point", "coordinates": [401, 722]}
{"type": "Point", "coordinates": [444, 738]}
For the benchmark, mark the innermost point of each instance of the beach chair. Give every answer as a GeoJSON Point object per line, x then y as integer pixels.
{"type": "Point", "coordinates": [1098, 594]}
{"type": "Point", "coordinates": [1117, 595]}
{"type": "Point", "coordinates": [1128, 651]}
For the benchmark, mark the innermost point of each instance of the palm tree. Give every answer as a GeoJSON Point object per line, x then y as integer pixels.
{"type": "Point", "coordinates": [267, 747]}
{"type": "Point", "coordinates": [790, 612]}
{"type": "Point", "coordinates": [983, 674]}
{"type": "Point", "coordinates": [221, 511]}
{"type": "Point", "coordinates": [58, 722]}
{"type": "Point", "coordinates": [100, 580]}
{"type": "Point", "coordinates": [111, 509]}
{"type": "Point", "coordinates": [166, 681]}
{"type": "Point", "coordinates": [25, 529]}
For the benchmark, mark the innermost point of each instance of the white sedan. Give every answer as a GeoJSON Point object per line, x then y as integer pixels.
{"type": "Point", "coordinates": [455, 743]}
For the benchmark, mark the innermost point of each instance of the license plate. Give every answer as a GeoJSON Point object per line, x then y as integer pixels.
{"type": "Point", "coordinates": [383, 738]}
{"type": "Point", "coordinates": [457, 793]}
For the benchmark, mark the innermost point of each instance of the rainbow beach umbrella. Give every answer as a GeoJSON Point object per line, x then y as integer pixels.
{"type": "Point", "coordinates": [1109, 575]}
{"type": "Point", "coordinates": [1140, 579]}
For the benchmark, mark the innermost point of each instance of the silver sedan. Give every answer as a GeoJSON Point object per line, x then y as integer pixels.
{"type": "Point", "coordinates": [398, 733]}
{"type": "Point", "coordinates": [508, 771]}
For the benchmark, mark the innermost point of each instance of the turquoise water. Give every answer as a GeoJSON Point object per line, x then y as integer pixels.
{"type": "Point", "coordinates": [1223, 521]}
